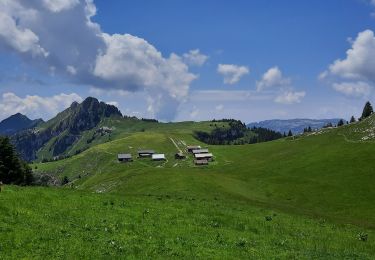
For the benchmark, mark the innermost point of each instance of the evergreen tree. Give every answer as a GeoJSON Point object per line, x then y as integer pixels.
{"type": "Point", "coordinates": [352, 119]}
{"type": "Point", "coordinates": [309, 129]}
{"type": "Point", "coordinates": [340, 123]}
{"type": "Point", "coordinates": [12, 169]}
{"type": "Point", "coordinates": [367, 110]}
{"type": "Point", "coordinates": [290, 133]}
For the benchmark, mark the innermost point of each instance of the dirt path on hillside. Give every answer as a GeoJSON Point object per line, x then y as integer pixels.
{"type": "Point", "coordinates": [175, 144]}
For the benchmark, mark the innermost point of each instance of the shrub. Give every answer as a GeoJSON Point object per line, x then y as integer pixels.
{"type": "Point", "coordinates": [65, 180]}
{"type": "Point", "coordinates": [362, 237]}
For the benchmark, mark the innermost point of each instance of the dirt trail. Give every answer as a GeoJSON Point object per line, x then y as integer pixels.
{"type": "Point", "coordinates": [175, 144]}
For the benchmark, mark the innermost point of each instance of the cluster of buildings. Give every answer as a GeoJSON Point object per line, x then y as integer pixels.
{"type": "Point", "coordinates": [127, 157]}
{"type": "Point", "coordinates": [202, 156]}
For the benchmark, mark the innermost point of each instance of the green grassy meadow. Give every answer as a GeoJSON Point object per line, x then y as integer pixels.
{"type": "Point", "coordinates": [304, 197]}
{"type": "Point", "coordinates": [61, 223]}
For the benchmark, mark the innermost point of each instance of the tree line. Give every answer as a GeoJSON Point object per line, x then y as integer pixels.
{"type": "Point", "coordinates": [236, 133]}
{"type": "Point", "coordinates": [13, 170]}
{"type": "Point", "coordinates": [367, 111]}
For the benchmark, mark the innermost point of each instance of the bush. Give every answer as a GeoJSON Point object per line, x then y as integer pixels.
{"type": "Point", "coordinates": [65, 180]}
{"type": "Point", "coordinates": [362, 237]}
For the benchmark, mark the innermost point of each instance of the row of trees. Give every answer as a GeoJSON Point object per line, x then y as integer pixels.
{"type": "Point", "coordinates": [367, 111]}
{"type": "Point", "coordinates": [13, 170]}
{"type": "Point", "coordinates": [236, 133]}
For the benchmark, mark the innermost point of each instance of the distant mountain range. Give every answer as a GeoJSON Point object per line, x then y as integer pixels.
{"type": "Point", "coordinates": [16, 123]}
{"type": "Point", "coordinates": [77, 126]}
{"type": "Point", "coordinates": [295, 125]}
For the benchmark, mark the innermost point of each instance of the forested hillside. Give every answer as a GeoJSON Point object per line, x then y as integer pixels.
{"type": "Point", "coordinates": [235, 132]}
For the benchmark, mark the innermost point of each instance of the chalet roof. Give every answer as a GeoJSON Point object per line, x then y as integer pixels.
{"type": "Point", "coordinates": [200, 151]}
{"type": "Point", "coordinates": [201, 162]}
{"type": "Point", "coordinates": [124, 156]}
{"type": "Point", "coordinates": [191, 147]}
{"type": "Point", "coordinates": [159, 156]}
{"type": "Point", "coordinates": [203, 155]}
{"type": "Point", "coordinates": [146, 151]}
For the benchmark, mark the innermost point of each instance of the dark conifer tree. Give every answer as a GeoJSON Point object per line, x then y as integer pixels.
{"type": "Point", "coordinates": [12, 169]}
{"type": "Point", "coordinates": [367, 110]}
{"type": "Point", "coordinates": [352, 119]}
{"type": "Point", "coordinates": [290, 133]}
{"type": "Point", "coordinates": [340, 123]}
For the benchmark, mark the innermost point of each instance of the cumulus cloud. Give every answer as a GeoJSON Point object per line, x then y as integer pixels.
{"type": "Point", "coordinates": [232, 73]}
{"type": "Point", "coordinates": [290, 97]}
{"type": "Point", "coordinates": [360, 59]}
{"type": "Point", "coordinates": [84, 54]}
{"type": "Point", "coordinates": [195, 58]}
{"type": "Point", "coordinates": [353, 89]}
{"type": "Point", "coordinates": [35, 106]}
{"type": "Point", "coordinates": [272, 78]}
{"type": "Point", "coordinates": [356, 71]}
{"type": "Point", "coordinates": [15, 36]}
{"type": "Point", "coordinates": [59, 5]}
{"type": "Point", "coordinates": [132, 63]}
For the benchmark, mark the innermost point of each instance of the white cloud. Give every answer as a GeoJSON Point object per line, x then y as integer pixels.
{"type": "Point", "coordinates": [290, 97]}
{"type": "Point", "coordinates": [13, 34]}
{"type": "Point", "coordinates": [86, 55]}
{"type": "Point", "coordinates": [272, 78]}
{"type": "Point", "coordinates": [232, 73]}
{"type": "Point", "coordinates": [274, 81]}
{"type": "Point", "coordinates": [195, 58]}
{"type": "Point", "coordinates": [113, 103]}
{"type": "Point", "coordinates": [353, 89]}
{"type": "Point", "coordinates": [360, 59]}
{"type": "Point", "coordinates": [35, 106]}
{"type": "Point", "coordinates": [59, 5]}
{"type": "Point", "coordinates": [355, 74]}
{"type": "Point", "coordinates": [134, 64]}
{"type": "Point", "coordinates": [71, 70]}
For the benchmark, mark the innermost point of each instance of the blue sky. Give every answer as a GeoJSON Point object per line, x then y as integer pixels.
{"type": "Point", "coordinates": [189, 60]}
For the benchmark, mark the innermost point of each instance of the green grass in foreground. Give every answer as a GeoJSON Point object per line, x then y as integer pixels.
{"type": "Point", "coordinates": [61, 223]}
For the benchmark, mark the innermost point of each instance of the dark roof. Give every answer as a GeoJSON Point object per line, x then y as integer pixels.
{"type": "Point", "coordinates": [146, 151]}
{"type": "Point", "coordinates": [124, 156]}
{"type": "Point", "coordinates": [205, 150]}
{"type": "Point", "coordinates": [201, 162]}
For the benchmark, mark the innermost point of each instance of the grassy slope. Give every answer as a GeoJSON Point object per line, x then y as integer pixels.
{"type": "Point", "coordinates": [122, 127]}
{"type": "Point", "coordinates": [59, 223]}
{"type": "Point", "coordinates": [328, 175]}
{"type": "Point", "coordinates": [322, 175]}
